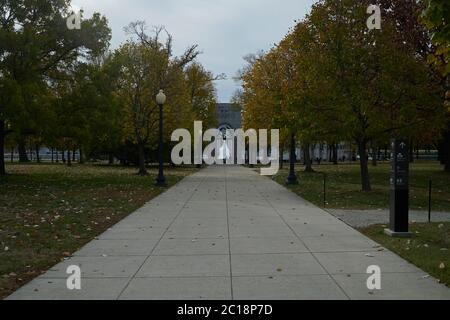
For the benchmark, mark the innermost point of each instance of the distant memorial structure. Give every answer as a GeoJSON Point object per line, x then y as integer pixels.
{"type": "Point", "coordinates": [229, 117]}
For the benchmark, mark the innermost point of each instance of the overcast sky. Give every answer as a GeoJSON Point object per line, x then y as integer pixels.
{"type": "Point", "coordinates": [225, 30]}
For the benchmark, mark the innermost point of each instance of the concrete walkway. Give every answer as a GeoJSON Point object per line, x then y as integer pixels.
{"type": "Point", "coordinates": [365, 218]}
{"type": "Point", "coordinates": [228, 233]}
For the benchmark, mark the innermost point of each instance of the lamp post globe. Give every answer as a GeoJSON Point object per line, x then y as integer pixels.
{"type": "Point", "coordinates": [161, 100]}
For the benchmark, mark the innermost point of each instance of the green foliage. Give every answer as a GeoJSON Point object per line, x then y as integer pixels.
{"type": "Point", "coordinates": [202, 94]}
{"type": "Point", "coordinates": [145, 65]}
{"type": "Point", "coordinates": [436, 18]}
{"type": "Point", "coordinates": [331, 79]}
{"type": "Point", "coordinates": [62, 88]}
{"type": "Point", "coordinates": [36, 52]}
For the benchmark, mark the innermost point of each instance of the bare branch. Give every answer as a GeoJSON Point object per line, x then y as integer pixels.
{"type": "Point", "coordinates": [189, 55]}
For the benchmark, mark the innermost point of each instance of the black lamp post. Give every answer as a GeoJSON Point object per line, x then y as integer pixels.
{"type": "Point", "coordinates": [292, 178]}
{"type": "Point", "coordinates": [160, 100]}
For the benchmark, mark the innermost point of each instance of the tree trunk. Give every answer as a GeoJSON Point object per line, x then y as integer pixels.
{"type": "Point", "coordinates": [69, 162]}
{"type": "Point", "coordinates": [330, 153]}
{"type": "Point", "coordinates": [111, 159]}
{"type": "Point", "coordinates": [12, 155]}
{"type": "Point", "coordinates": [365, 178]}
{"type": "Point", "coordinates": [411, 151]}
{"type": "Point", "coordinates": [74, 158]}
{"type": "Point", "coordinates": [292, 177]}
{"type": "Point", "coordinates": [335, 154]}
{"type": "Point", "coordinates": [53, 156]}
{"type": "Point", "coordinates": [23, 157]}
{"type": "Point", "coordinates": [38, 157]}
{"type": "Point", "coordinates": [445, 151]}
{"type": "Point", "coordinates": [281, 159]}
{"type": "Point", "coordinates": [2, 148]}
{"type": "Point", "coordinates": [446, 143]}
{"type": "Point", "coordinates": [142, 169]}
{"type": "Point", "coordinates": [374, 155]}
{"type": "Point", "coordinates": [307, 155]}
{"type": "Point", "coordinates": [63, 156]}
{"type": "Point", "coordinates": [440, 148]}
{"type": "Point", "coordinates": [82, 159]}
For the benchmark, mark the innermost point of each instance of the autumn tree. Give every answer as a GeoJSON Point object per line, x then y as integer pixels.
{"type": "Point", "coordinates": [35, 44]}
{"type": "Point", "coordinates": [436, 17]}
{"type": "Point", "coordinates": [378, 86]}
{"type": "Point", "coordinates": [264, 99]}
{"type": "Point", "coordinates": [202, 93]}
{"type": "Point", "coordinates": [278, 92]}
{"type": "Point", "coordinates": [85, 108]}
{"type": "Point", "coordinates": [105, 118]}
{"type": "Point", "coordinates": [147, 65]}
{"type": "Point", "coordinates": [332, 79]}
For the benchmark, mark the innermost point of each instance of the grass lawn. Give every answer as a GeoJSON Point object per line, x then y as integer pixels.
{"type": "Point", "coordinates": [47, 212]}
{"type": "Point", "coordinates": [344, 186]}
{"type": "Point", "coordinates": [428, 249]}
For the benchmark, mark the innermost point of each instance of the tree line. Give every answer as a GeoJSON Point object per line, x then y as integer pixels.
{"type": "Point", "coordinates": [67, 90]}
{"type": "Point", "coordinates": [331, 79]}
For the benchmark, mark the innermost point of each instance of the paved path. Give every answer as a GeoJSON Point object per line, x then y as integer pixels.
{"type": "Point", "coordinates": [228, 233]}
{"type": "Point", "coordinates": [364, 218]}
